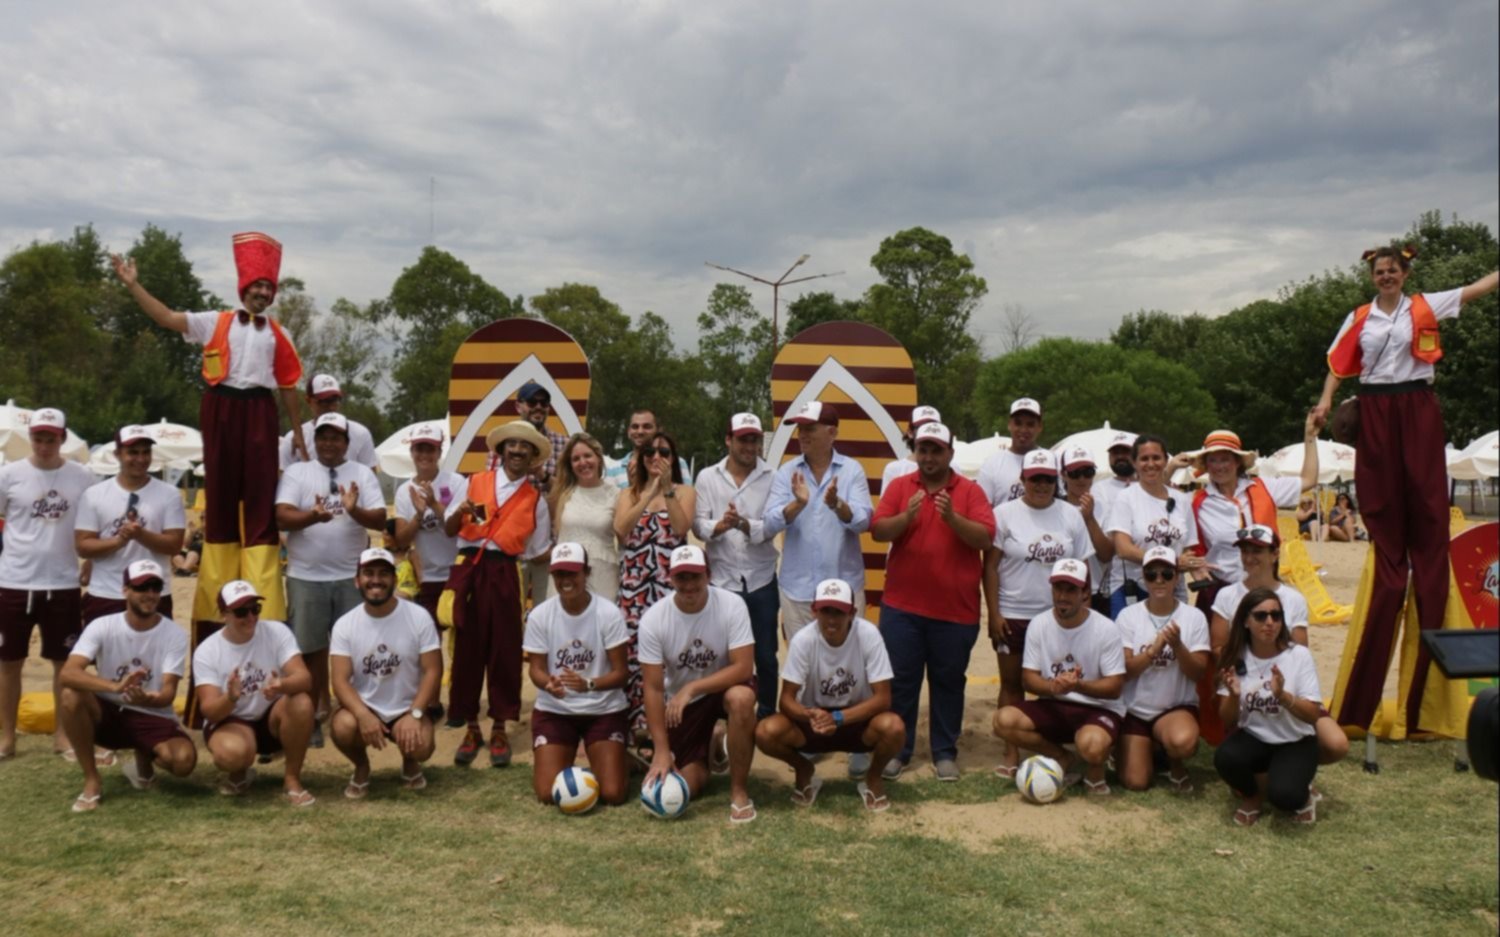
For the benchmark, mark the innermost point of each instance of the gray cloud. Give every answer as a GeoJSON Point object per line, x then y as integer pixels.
{"type": "Point", "coordinates": [1097, 159]}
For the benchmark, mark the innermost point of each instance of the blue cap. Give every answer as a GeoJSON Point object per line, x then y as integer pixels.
{"type": "Point", "coordinates": [530, 389]}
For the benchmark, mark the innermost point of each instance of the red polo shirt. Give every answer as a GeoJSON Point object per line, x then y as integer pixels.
{"type": "Point", "coordinates": [930, 572]}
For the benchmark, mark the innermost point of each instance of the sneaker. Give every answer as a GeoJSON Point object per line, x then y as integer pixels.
{"type": "Point", "coordinates": [316, 739]}
{"type": "Point", "coordinates": [947, 769]}
{"type": "Point", "coordinates": [499, 750]}
{"type": "Point", "coordinates": [859, 765]}
{"type": "Point", "coordinates": [468, 749]}
{"type": "Point", "coordinates": [893, 769]}
{"type": "Point", "coordinates": [454, 722]}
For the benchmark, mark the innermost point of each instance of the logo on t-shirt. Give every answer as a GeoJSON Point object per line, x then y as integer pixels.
{"type": "Point", "coordinates": [382, 663]}
{"type": "Point", "coordinates": [1064, 665]}
{"type": "Point", "coordinates": [1166, 658]}
{"type": "Point", "coordinates": [125, 670]}
{"type": "Point", "coordinates": [1016, 491]}
{"type": "Point", "coordinates": [333, 504]}
{"type": "Point", "coordinates": [252, 679]}
{"type": "Point", "coordinates": [1262, 700]}
{"type": "Point", "coordinates": [698, 657]}
{"type": "Point", "coordinates": [841, 683]}
{"type": "Point", "coordinates": [1048, 549]}
{"type": "Point", "coordinates": [575, 656]}
{"type": "Point", "coordinates": [51, 506]}
{"type": "Point", "coordinates": [1163, 532]}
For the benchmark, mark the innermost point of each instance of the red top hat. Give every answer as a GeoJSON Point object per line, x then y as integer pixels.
{"type": "Point", "coordinates": [257, 257]}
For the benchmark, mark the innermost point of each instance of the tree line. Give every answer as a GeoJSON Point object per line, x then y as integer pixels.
{"type": "Point", "coordinates": [73, 338]}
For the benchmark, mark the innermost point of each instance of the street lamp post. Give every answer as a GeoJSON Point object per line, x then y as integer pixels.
{"type": "Point", "coordinates": [776, 286]}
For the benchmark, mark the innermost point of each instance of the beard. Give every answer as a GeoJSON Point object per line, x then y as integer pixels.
{"type": "Point", "coordinates": [1122, 467]}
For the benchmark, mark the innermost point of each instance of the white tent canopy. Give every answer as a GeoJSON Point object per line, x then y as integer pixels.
{"type": "Point", "coordinates": [969, 456]}
{"type": "Point", "coordinates": [15, 436]}
{"type": "Point", "coordinates": [1097, 442]}
{"type": "Point", "coordinates": [175, 444]}
{"type": "Point", "coordinates": [394, 455]}
{"type": "Point", "coordinates": [1478, 460]}
{"type": "Point", "coordinates": [1335, 462]}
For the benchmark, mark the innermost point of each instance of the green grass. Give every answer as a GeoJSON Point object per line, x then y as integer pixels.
{"type": "Point", "coordinates": [1410, 851]}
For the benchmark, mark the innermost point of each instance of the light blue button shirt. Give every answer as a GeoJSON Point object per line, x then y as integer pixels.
{"type": "Point", "coordinates": [818, 545]}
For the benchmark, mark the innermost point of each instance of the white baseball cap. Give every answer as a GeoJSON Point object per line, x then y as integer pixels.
{"type": "Point", "coordinates": [745, 424]}
{"type": "Point", "coordinates": [687, 559]}
{"type": "Point", "coordinates": [126, 435]}
{"type": "Point", "coordinates": [1122, 439]}
{"type": "Point", "coordinates": [237, 593]}
{"type": "Point", "coordinates": [816, 411]}
{"type": "Point", "coordinates": [834, 593]}
{"type": "Point", "coordinates": [1039, 462]}
{"type": "Point", "coordinates": [323, 386]}
{"type": "Point", "coordinates": [1025, 405]}
{"type": "Point", "coordinates": [141, 572]}
{"type": "Point", "coordinates": [1160, 555]}
{"type": "Point", "coordinates": [921, 415]}
{"type": "Point", "coordinates": [1258, 534]}
{"type": "Point", "coordinates": [335, 420]}
{"type": "Point", "coordinates": [569, 556]}
{"type": "Point", "coordinates": [1076, 457]}
{"type": "Point", "coordinates": [376, 555]}
{"type": "Point", "coordinates": [1074, 571]}
{"type": "Point", "coordinates": [49, 418]}
{"type": "Point", "coordinates": [426, 432]}
{"type": "Point", "coordinates": [934, 432]}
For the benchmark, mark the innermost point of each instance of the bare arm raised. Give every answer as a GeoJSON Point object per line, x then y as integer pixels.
{"type": "Point", "coordinates": [155, 308]}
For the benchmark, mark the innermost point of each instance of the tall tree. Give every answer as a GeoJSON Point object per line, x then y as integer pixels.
{"type": "Point", "coordinates": [734, 346]}
{"type": "Point", "coordinates": [613, 349]}
{"type": "Point", "coordinates": [812, 309]}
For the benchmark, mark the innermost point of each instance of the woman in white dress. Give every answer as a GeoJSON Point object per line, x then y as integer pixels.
{"type": "Point", "coordinates": [583, 511]}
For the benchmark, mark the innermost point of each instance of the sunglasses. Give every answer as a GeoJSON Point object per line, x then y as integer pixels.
{"type": "Point", "coordinates": [1159, 575]}
{"type": "Point", "coordinates": [1076, 474]}
{"type": "Point", "coordinates": [155, 585]}
{"type": "Point", "coordinates": [1247, 535]}
{"type": "Point", "coordinates": [333, 480]}
{"type": "Point", "coordinates": [1043, 479]}
{"type": "Point", "coordinates": [662, 451]}
{"type": "Point", "coordinates": [245, 611]}
{"type": "Point", "coordinates": [131, 504]}
{"type": "Point", "coordinates": [1264, 615]}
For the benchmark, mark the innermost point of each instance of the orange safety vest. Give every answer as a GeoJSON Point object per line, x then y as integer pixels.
{"type": "Point", "coordinates": [1346, 359]}
{"type": "Point", "coordinates": [508, 525]}
{"type": "Point", "coordinates": [1262, 509]}
{"type": "Point", "coordinates": [287, 366]}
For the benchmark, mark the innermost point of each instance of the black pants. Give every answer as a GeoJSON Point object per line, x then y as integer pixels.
{"type": "Point", "coordinates": [1289, 767]}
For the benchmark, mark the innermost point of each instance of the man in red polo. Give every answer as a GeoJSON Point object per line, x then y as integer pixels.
{"type": "Point", "coordinates": [938, 524]}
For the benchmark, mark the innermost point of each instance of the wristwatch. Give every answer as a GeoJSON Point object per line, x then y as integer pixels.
{"type": "Point", "coordinates": [417, 713]}
{"type": "Point", "coordinates": [838, 717]}
{"type": "Point", "coordinates": [588, 684]}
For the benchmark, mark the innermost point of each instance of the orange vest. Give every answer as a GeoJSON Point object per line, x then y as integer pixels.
{"type": "Point", "coordinates": [509, 525]}
{"type": "Point", "coordinates": [1346, 359]}
{"type": "Point", "coordinates": [287, 366]}
{"type": "Point", "coordinates": [1262, 508]}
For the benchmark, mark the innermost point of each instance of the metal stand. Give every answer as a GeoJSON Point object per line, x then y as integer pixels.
{"type": "Point", "coordinates": [1372, 764]}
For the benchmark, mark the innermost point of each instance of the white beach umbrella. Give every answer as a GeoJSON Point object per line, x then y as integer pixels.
{"type": "Point", "coordinates": [15, 436]}
{"type": "Point", "coordinates": [1097, 442]}
{"type": "Point", "coordinates": [969, 456]}
{"type": "Point", "coordinates": [394, 455]}
{"type": "Point", "coordinates": [1335, 462]}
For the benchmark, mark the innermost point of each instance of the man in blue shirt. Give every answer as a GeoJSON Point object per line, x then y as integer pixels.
{"type": "Point", "coordinates": [822, 500]}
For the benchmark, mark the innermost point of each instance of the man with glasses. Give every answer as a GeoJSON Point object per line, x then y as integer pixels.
{"type": "Point", "coordinates": [39, 496]}
{"type": "Point", "coordinates": [327, 508]}
{"type": "Point", "coordinates": [252, 689]}
{"type": "Point", "coordinates": [126, 703]}
{"type": "Point", "coordinates": [131, 517]}
{"type": "Point", "coordinates": [324, 395]}
{"type": "Point", "coordinates": [534, 404]}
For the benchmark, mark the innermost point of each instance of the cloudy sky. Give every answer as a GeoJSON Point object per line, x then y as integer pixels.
{"type": "Point", "coordinates": [1092, 159]}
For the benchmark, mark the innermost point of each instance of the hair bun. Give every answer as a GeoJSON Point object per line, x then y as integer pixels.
{"type": "Point", "coordinates": [1409, 251]}
{"type": "Point", "coordinates": [1367, 255]}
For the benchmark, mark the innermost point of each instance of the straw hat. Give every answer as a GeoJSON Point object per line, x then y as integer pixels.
{"type": "Point", "coordinates": [525, 432]}
{"type": "Point", "coordinates": [1221, 440]}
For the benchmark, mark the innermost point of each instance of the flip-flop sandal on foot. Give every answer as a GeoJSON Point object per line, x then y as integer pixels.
{"type": "Point", "coordinates": [300, 798]}
{"type": "Point", "coordinates": [356, 790]}
{"type": "Point", "coordinates": [1244, 817]}
{"type": "Point", "coordinates": [808, 795]}
{"type": "Point", "coordinates": [873, 803]}
{"type": "Point", "coordinates": [742, 813]}
{"type": "Point", "coordinates": [414, 782]}
{"type": "Point", "coordinates": [84, 803]}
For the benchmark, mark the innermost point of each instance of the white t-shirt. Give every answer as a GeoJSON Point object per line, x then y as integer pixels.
{"type": "Point", "coordinates": [692, 646]}
{"type": "Point", "coordinates": [385, 654]}
{"type": "Point", "coordinates": [894, 469]}
{"type": "Point", "coordinates": [1106, 491]}
{"type": "Point", "coordinates": [580, 643]}
{"type": "Point", "coordinates": [1261, 714]}
{"type": "Point", "coordinates": [327, 552]}
{"type": "Point", "coordinates": [1163, 685]}
{"type": "Point", "coordinates": [1220, 519]}
{"type": "Point", "coordinates": [258, 660]}
{"type": "Point", "coordinates": [361, 445]}
{"type": "Point", "coordinates": [117, 650]}
{"type": "Point", "coordinates": [1094, 646]}
{"type": "Point", "coordinates": [1149, 523]}
{"type": "Point", "coordinates": [252, 351]}
{"type": "Point", "coordinates": [837, 677]}
{"type": "Point", "coordinates": [1293, 605]}
{"type": "Point", "coordinates": [1030, 541]}
{"type": "Point", "coordinates": [103, 508]}
{"type": "Point", "coordinates": [40, 507]}
{"type": "Point", "coordinates": [436, 548]}
{"type": "Point", "coordinates": [1389, 337]}
{"type": "Point", "coordinates": [1000, 477]}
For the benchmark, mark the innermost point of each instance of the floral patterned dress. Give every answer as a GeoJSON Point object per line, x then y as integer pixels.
{"type": "Point", "coordinates": [643, 581]}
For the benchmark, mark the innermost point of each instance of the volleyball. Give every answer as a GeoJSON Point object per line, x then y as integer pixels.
{"type": "Point", "coordinates": [667, 798]}
{"type": "Point", "coordinates": [1040, 779]}
{"type": "Point", "coordinates": [575, 790]}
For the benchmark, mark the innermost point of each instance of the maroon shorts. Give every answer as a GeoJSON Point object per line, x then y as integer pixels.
{"type": "Point", "coordinates": [1134, 725]}
{"type": "Point", "coordinates": [121, 728]}
{"type": "Point", "coordinates": [558, 729]}
{"type": "Point", "coordinates": [265, 742]}
{"type": "Point", "coordinates": [1015, 642]}
{"type": "Point", "coordinates": [1058, 721]}
{"type": "Point", "coordinates": [57, 612]}
{"type": "Point", "coordinates": [96, 607]}
{"type": "Point", "coordinates": [848, 737]}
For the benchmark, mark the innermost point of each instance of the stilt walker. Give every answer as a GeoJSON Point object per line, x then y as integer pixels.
{"type": "Point", "coordinates": [247, 359]}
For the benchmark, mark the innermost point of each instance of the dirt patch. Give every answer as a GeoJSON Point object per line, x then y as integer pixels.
{"type": "Point", "coordinates": [1070, 825]}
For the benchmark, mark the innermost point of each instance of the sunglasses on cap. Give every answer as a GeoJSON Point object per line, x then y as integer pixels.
{"type": "Point", "coordinates": [245, 611]}
{"type": "Point", "coordinates": [1076, 474]}
{"type": "Point", "coordinates": [1165, 574]}
{"type": "Point", "coordinates": [1252, 536]}
{"type": "Point", "coordinates": [1268, 614]}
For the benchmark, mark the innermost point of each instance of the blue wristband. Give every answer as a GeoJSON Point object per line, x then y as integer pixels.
{"type": "Point", "coordinates": [838, 717]}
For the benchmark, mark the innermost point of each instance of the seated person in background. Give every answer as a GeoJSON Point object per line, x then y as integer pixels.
{"type": "Point", "coordinates": [185, 563]}
{"type": "Point", "coordinates": [1343, 524]}
{"type": "Point", "coordinates": [1307, 519]}
{"type": "Point", "coordinates": [1075, 664]}
{"type": "Point", "coordinates": [835, 697]}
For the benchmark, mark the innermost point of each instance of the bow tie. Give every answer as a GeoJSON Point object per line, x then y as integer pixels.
{"type": "Point", "coordinates": [245, 317]}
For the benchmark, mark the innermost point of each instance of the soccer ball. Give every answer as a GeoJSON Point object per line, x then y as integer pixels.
{"type": "Point", "coordinates": [575, 790]}
{"type": "Point", "coordinates": [1040, 779]}
{"type": "Point", "coordinates": [667, 798]}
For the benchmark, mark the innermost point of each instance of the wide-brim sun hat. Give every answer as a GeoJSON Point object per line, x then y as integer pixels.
{"type": "Point", "coordinates": [1221, 440]}
{"type": "Point", "coordinates": [525, 432]}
